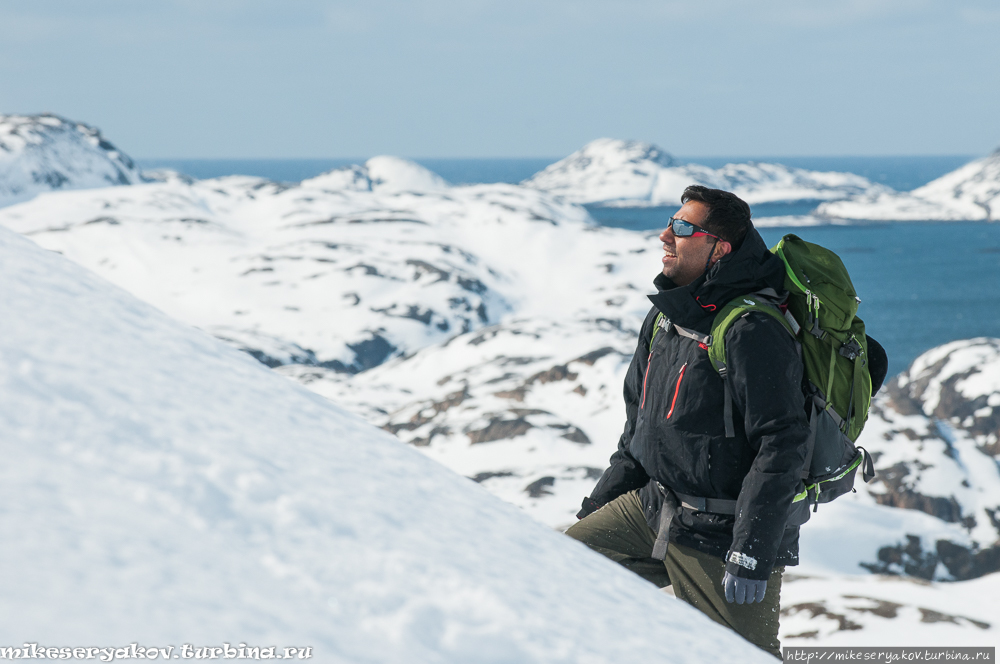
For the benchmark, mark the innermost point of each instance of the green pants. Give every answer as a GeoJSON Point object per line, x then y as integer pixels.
{"type": "Point", "coordinates": [619, 531]}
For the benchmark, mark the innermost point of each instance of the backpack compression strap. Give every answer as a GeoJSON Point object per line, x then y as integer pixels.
{"type": "Point", "coordinates": [737, 308]}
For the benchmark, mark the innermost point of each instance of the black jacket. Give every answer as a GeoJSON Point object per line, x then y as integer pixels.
{"type": "Point", "coordinates": [675, 433]}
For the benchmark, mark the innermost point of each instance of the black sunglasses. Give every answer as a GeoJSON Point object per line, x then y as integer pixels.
{"type": "Point", "coordinates": [682, 228]}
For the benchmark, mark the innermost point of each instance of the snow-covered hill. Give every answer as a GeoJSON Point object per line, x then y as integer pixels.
{"type": "Point", "coordinates": [970, 193]}
{"type": "Point", "coordinates": [630, 173]}
{"type": "Point", "coordinates": [336, 278]}
{"type": "Point", "coordinates": [40, 153]}
{"type": "Point", "coordinates": [160, 488]}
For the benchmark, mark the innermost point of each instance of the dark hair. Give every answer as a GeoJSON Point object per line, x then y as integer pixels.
{"type": "Point", "coordinates": [728, 215]}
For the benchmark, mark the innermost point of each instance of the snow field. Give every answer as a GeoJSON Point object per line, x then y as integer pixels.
{"type": "Point", "coordinates": [164, 488]}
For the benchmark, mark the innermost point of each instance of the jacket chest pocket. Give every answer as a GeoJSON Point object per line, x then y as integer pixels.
{"type": "Point", "coordinates": [677, 390]}
{"type": "Point", "coordinates": [665, 389]}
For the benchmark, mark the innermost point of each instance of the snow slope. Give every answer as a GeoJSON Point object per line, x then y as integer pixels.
{"type": "Point", "coordinates": [971, 192]}
{"type": "Point", "coordinates": [167, 489]}
{"type": "Point", "coordinates": [40, 153]}
{"type": "Point", "coordinates": [631, 173]}
{"type": "Point", "coordinates": [471, 289]}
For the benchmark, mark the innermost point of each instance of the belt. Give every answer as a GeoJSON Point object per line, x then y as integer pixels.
{"type": "Point", "coordinates": [671, 508]}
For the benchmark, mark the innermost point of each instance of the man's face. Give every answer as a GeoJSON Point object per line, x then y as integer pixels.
{"type": "Point", "coordinates": [684, 257]}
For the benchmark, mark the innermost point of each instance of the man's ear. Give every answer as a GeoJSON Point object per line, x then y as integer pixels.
{"type": "Point", "coordinates": [721, 249]}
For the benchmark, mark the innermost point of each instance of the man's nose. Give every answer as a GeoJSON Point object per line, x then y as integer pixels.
{"type": "Point", "coordinates": [667, 233]}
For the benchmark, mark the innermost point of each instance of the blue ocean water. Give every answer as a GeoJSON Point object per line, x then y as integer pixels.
{"type": "Point", "coordinates": [921, 284]}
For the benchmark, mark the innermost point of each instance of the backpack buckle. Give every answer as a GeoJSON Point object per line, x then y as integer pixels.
{"type": "Point", "coordinates": [851, 350]}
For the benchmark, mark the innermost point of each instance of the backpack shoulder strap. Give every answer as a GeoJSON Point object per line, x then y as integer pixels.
{"type": "Point", "coordinates": [737, 308]}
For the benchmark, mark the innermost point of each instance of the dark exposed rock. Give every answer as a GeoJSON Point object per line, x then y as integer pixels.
{"type": "Point", "coordinates": [370, 270]}
{"type": "Point", "coordinates": [263, 357]}
{"type": "Point", "coordinates": [963, 563]}
{"type": "Point", "coordinates": [517, 394]}
{"type": "Point", "coordinates": [53, 179]}
{"type": "Point", "coordinates": [499, 429]}
{"type": "Point", "coordinates": [371, 352]}
{"type": "Point", "coordinates": [519, 361]}
{"type": "Point", "coordinates": [909, 559]}
{"type": "Point", "coordinates": [590, 358]}
{"type": "Point", "coordinates": [994, 519]}
{"type": "Point", "coordinates": [817, 609]}
{"type": "Point", "coordinates": [932, 616]}
{"type": "Point", "coordinates": [576, 435]}
{"type": "Point", "coordinates": [425, 441]}
{"type": "Point", "coordinates": [591, 473]}
{"type": "Point", "coordinates": [423, 267]}
{"type": "Point", "coordinates": [882, 608]}
{"type": "Point", "coordinates": [297, 356]}
{"type": "Point", "coordinates": [471, 284]}
{"type": "Point", "coordinates": [436, 408]}
{"type": "Point", "coordinates": [482, 477]}
{"type": "Point", "coordinates": [500, 379]}
{"type": "Point", "coordinates": [558, 372]}
{"type": "Point", "coordinates": [413, 312]}
{"type": "Point", "coordinates": [540, 487]}
{"type": "Point", "coordinates": [898, 494]}
{"type": "Point", "coordinates": [887, 609]}
{"type": "Point", "coordinates": [901, 401]}
{"type": "Point", "coordinates": [483, 336]}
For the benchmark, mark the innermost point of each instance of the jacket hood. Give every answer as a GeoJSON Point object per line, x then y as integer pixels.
{"type": "Point", "coordinates": [748, 269]}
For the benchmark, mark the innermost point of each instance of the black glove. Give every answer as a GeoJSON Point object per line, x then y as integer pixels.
{"type": "Point", "coordinates": [589, 507]}
{"type": "Point", "coordinates": [743, 590]}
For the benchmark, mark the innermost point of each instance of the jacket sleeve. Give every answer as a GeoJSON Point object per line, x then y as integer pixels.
{"type": "Point", "coordinates": [625, 473]}
{"type": "Point", "coordinates": [765, 370]}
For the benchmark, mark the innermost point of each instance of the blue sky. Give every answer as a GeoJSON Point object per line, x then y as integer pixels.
{"type": "Point", "coordinates": [479, 78]}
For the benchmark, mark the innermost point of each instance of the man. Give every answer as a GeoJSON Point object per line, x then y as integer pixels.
{"type": "Point", "coordinates": [682, 504]}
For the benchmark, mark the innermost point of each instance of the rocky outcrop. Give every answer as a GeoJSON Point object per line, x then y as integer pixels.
{"type": "Point", "coordinates": [933, 437]}
{"type": "Point", "coordinates": [42, 153]}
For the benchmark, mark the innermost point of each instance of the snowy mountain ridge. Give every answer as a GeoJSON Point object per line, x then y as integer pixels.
{"type": "Point", "coordinates": [383, 173]}
{"type": "Point", "coordinates": [269, 252]}
{"type": "Point", "coordinates": [969, 193]}
{"type": "Point", "coordinates": [40, 153]}
{"type": "Point", "coordinates": [614, 172]}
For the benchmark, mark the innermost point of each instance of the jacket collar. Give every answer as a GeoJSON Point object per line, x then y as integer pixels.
{"type": "Point", "coordinates": [748, 269]}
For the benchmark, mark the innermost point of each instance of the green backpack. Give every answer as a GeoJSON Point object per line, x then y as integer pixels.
{"type": "Point", "coordinates": [821, 314]}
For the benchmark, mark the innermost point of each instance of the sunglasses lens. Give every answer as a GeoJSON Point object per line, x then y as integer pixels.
{"type": "Point", "coordinates": [682, 228]}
